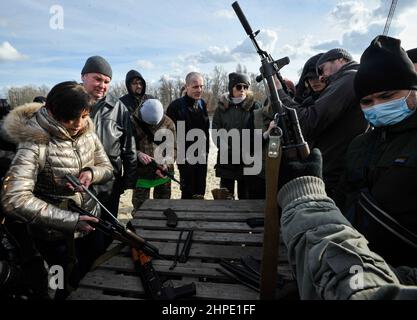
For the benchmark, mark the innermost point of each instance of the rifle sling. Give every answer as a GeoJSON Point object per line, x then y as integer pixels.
{"type": "Point", "coordinates": [271, 229]}
{"type": "Point", "coordinates": [177, 249]}
{"type": "Point", "coordinates": [234, 277]}
{"type": "Point", "coordinates": [386, 220]}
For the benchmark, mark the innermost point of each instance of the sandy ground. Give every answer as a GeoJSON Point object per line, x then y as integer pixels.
{"type": "Point", "coordinates": [213, 182]}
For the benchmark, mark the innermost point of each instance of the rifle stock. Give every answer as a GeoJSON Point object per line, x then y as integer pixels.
{"type": "Point", "coordinates": [286, 140]}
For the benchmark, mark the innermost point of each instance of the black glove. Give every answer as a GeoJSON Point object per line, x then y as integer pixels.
{"type": "Point", "coordinates": [312, 166]}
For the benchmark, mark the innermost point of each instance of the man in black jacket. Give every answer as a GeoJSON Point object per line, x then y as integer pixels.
{"type": "Point", "coordinates": [136, 88]}
{"type": "Point", "coordinates": [335, 118]}
{"type": "Point", "coordinates": [191, 111]}
{"type": "Point", "coordinates": [113, 126]}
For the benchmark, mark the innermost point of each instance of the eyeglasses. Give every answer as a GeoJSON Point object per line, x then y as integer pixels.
{"type": "Point", "coordinates": [320, 70]}
{"type": "Point", "coordinates": [240, 86]}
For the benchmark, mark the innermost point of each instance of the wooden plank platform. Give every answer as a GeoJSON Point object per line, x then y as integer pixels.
{"type": "Point", "coordinates": [220, 232]}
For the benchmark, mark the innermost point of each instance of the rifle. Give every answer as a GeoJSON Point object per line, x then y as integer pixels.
{"type": "Point", "coordinates": [114, 229]}
{"type": "Point", "coordinates": [293, 144]}
{"type": "Point", "coordinates": [286, 139]}
{"type": "Point", "coordinates": [152, 283]}
{"type": "Point", "coordinates": [166, 173]}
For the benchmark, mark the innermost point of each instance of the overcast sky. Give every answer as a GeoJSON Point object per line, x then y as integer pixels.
{"type": "Point", "coordinates": [172, 38]}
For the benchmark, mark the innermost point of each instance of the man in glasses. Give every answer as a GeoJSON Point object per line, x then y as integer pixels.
{"type": "Point", "coordinates": [335, 118]}
{"type": "Point", "coordinates": [235, 112]}
{"type": "Point", "coordinates": [136, 88]}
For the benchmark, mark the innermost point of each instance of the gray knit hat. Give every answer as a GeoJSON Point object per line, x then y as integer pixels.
{"type": "Point", "coordinates": [333, 55]}
{"type": "Point", "coordinates": [97, 64]}
{"type": "Point", "coordinates": [152, 112]}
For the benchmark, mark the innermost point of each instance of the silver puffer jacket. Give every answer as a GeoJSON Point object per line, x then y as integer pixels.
{"type": "Point", "coordinates": [34, 189]}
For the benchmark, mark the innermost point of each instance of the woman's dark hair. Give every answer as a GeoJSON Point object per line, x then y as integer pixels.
{"type": "Point", "coordinates": [67, 100]}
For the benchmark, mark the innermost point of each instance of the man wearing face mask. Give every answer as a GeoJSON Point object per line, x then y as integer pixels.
{"type": "Point", "coordinates": [148, 122]}
{"type": "Point", "coordinates": [381, 171]}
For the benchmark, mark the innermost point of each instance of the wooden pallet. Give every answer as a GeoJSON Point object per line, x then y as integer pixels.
{"type": "Point", "coordinates": [220, 232]}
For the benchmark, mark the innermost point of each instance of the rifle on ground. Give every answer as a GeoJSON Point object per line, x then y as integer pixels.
{"type": "Point", "coordinates": [166, 173]}
{"type": "Point", "coordinates": [114, 229]}
{"type": "Point", "coordinates": [286, 139]}
{"type": "Point", "coordinates": [153, 285]}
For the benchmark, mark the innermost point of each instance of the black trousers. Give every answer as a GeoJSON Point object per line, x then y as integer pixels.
{"type": "Point", "coordinates": [193, 178]}
{"type": "Point", "coordinates": [256, 187]}
{"type": "Point", "coordinates": [34, 280]}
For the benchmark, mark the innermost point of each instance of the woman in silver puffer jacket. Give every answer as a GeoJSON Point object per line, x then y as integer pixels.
{"type": "Point", "coordinates": [53, 141]}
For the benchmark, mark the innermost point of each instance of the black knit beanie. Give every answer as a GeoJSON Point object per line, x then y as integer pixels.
{"type": "Point", "coordinates": [309, 69]}
{"type": "Point", "coordinates": [334, 54]}
{"type": "Point", "coordinates": [384, 66]}
{"type": "Point", "coordinates": [97, 64]}
{"type": "Point", "coordinates": [236, 78]}
{"type": "Point", "coordinates": [412, 54]}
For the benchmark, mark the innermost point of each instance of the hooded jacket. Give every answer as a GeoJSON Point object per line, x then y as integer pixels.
{"type": "Point", "coordinates": [230, 116]}
{"type": "Point", "coordinates": [34, 189]}
{"type": "Point", "coordinates": [130, 100]}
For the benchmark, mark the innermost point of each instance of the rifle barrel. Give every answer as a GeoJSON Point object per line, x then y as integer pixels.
{"type": "Point", "coordinates": [242, 19]}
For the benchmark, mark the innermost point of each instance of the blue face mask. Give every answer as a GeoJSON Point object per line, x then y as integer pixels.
{"type": "Point", "coordinates": [388, 113]}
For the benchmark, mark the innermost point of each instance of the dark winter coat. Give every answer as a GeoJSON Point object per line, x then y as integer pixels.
{"type": "Point", "coordinates": [333, 121]}
{"type": "Point", "coordinates": [230, 116]}
{"type": "Point", "coordinates": [130, 100]}
{"type": "Point", "coordinates": [183, 109]}
{"type": "Point", "coordinates": [384, 162]}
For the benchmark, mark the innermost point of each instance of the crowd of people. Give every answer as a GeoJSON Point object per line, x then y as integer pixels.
{"type": "Point", "coordinates": [349, 204]}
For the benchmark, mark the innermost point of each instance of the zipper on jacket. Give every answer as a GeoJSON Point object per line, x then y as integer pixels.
{"type": "Point", "coordinates": [79, 166]}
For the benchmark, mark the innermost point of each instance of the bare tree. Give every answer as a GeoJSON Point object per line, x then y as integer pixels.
{"type": "Point", "coordinates": [166, 91]}
{"type": "Point", "coordinates": [258, 88]}
{"type": "Point", "coordinates": [118, 89]}
{"type": "Point", "coordinates": [219, 79]}
{"type": "Point", "coordinates": [21, 95]}
{"type": "Point", "coordinates": [179, 83]}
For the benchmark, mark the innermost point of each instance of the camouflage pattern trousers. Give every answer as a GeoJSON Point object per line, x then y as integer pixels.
{"type": "Point", "coordinates": [141, 194]}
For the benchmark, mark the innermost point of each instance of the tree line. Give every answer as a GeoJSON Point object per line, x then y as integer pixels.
{"type": "Point", "coordinates": [166, 90]}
